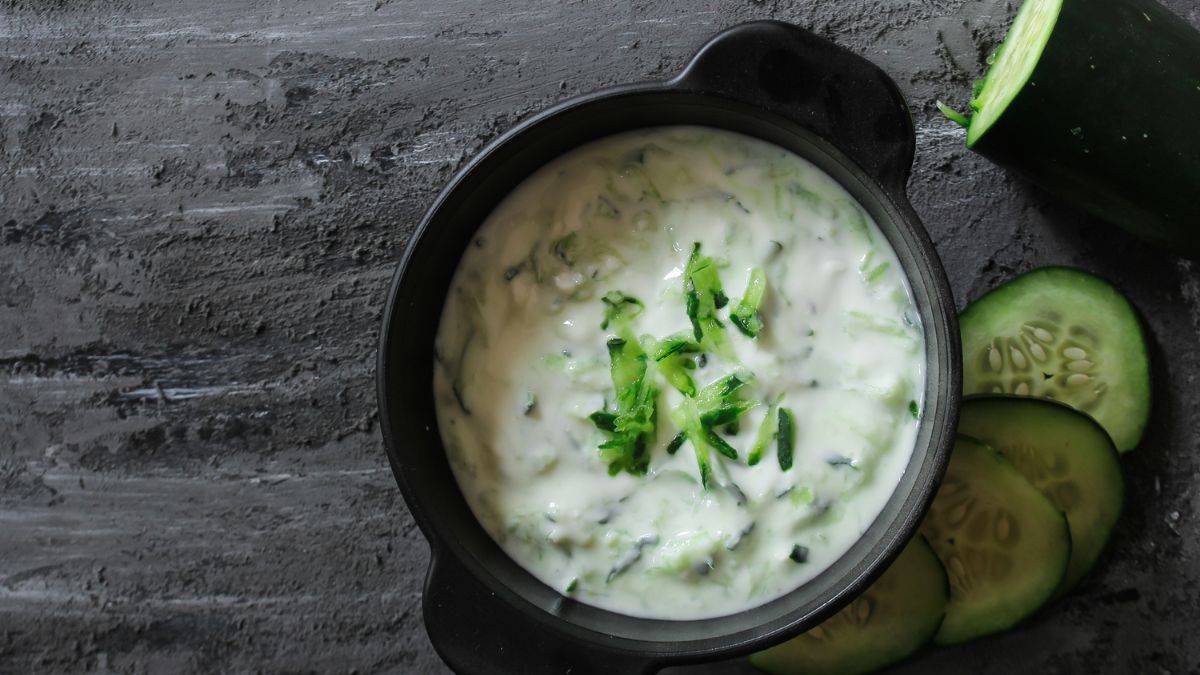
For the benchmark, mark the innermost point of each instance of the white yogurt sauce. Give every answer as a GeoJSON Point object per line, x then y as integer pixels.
{"type": "Point", "coordinates": [522, 363]}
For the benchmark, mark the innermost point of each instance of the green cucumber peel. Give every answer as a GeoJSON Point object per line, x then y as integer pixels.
{"type": "Point", "coordinates": [676, 443]}
{"type": "Point", "coordinates": [726, 413]}
{"type": "Point", "coordinates": [714, 439]}
{"type": "Point", "coordinates": [786, 438]}
{"type": "Point", "coordinates": [687, 418]}
{"type": "Point", "coordinates": [604, 421]}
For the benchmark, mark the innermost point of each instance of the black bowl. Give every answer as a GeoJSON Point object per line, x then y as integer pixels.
{"type": "Point", "coordinates": [770, 80]}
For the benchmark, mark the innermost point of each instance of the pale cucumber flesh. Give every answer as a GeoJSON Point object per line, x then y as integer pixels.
{"type": "Point", "coordinates": [893, 618]}
{"type": "Point", "coordinates": [1005, 546]}
{"type": "Point", "coordinates": [1062, 334]}
{"type": "Point", "coordinates": [1065, 455]}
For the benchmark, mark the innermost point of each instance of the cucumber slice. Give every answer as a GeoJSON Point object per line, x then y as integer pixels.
{"type": "Point", "coordinates": [1064, 334]}
{"type": "Point", "coordinates": [893, 618]}
{"type": "Point", "coordinates": [1066, 455]}
{"type": "Point", "coordinates": [1004, 545]}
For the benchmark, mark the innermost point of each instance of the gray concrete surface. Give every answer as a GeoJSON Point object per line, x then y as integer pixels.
{"type": "Point", "coordinates": [200, 206]}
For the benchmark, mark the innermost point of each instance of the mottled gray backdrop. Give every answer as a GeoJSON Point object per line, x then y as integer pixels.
{"type": "Point", "coordinates": [200, 206]}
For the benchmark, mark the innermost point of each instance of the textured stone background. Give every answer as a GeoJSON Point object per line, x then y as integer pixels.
{"type": "Point", "coordinates": [200, 206]}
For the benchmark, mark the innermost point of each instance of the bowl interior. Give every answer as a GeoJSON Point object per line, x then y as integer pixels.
{"type": "Point", "coordinates": [406, 373]}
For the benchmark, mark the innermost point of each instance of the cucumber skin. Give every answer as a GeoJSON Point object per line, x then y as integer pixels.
{"type": "Point", "coordinates": [1146, 80]}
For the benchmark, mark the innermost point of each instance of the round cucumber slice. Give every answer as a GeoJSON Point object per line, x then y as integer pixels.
{"type": "Point", "coordinates": [893, 618]}
{"type": "Point", "coordinates": [1013, 63]}
{"type": "Point", "coordinates": [1003, 544]}
{"type": "Point", "coordinates": [1066, 455]}
{"type": "Point", "coordinates": [1063, 334]}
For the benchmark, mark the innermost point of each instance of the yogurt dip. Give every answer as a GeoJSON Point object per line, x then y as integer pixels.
{"type": "Point", "coordinates": [678, 373]}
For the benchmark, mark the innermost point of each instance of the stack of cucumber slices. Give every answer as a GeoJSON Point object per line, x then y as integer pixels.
{"type": "Point", "coordinates": [1058, 385]}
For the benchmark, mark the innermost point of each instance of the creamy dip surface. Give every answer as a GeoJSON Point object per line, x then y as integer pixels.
{"type": "Point", "coordinates": [523, 362]}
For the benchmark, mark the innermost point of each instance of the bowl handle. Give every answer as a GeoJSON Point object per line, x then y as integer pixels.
{"type": "Point", "coordinates": [829, 90]}
{"type": "Point", "coordinates": [475, 631]}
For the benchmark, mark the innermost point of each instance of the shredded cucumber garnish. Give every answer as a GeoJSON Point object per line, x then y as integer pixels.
{"type": "Point", "coordinates": [632, 426]}
{"type": "Point", "coordinates": [672, 357]}
{"type": "Point", "coordinates": [726, 413]}
{"type": "Point", "coordinates": [718, 404]}
{"type": "Point", "coordinates": [687, 418]}
{"type": "Point", "coordinates": [676, 443]}
{"type": "Point", "coordinates": [746, 315]}
{"type": "Point", "coordinates": [619, 309]}
{"type": "Point", "coordinates": [858, 322]}
{"type": "Point", "coordinates": [786, 438]}
{"type": "Point", "coordinates": [604, 421]}
{"type": "Point", "coordinates": [674, 344]}
{"type": "Point", "coordinates": [766, 433]}
{"type": "Point", "coordinates": [704, 296]}
{"type": "Point", "coordinates": [714, 439]}
{"type": "Point", "coordinates": [673, 362]}
{"type": "Point", "coordinates": [675, 370]}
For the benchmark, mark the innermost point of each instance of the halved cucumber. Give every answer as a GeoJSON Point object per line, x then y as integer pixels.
{"type": "Point", "coordinates": [1004, 545]}
{"type": "Point", "coordinates": [1066, 455]}
{"type": "Point", "coordinates": [895, 616]}
{"type": "Point", "coordinates": [1064, 334]}
{"type": "Point", "coordinates": [1095, 101]}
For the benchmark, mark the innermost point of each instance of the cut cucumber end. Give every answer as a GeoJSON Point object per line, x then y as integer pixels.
{"type": "Point", "coordinates": [1063, 334]}
{"type": "Point", "coordinates": [1066, 455]}
{"type": "Point", "coordinates": [1014, 62]}
{"type": "Point", "coordinates": [893, 618]}
{"type": "Point", "coordinates": [1005, 546]}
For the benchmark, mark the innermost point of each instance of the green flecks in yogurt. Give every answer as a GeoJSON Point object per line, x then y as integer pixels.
{"type": "Point", "coordinates": [619, 310]}
{"type": "Point", "coordinates": [799, 554]}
